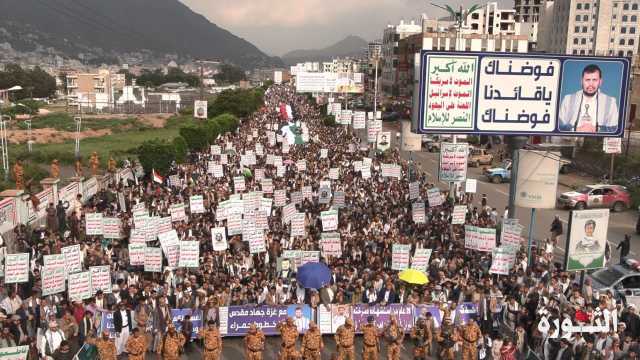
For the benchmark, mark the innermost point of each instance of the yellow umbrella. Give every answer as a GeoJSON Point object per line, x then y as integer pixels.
{"type": "Point", "coordinates": [413, 276]}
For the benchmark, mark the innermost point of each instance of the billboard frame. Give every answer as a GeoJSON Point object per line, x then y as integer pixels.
{"type": "Point", "coordinates": [419, 122]}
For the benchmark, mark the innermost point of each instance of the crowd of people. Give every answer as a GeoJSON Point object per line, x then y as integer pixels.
{"type": "Point", "coordinates": [376, 215]}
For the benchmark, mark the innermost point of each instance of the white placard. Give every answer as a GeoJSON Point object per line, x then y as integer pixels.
{"type": "Point", "coordinates": [459, 215]}
{"type": "Point", "coordinates": [177, 212]}
{"type": "Point", "coordinates": [612, 145]}
{"type": "Point", "coordinates": [219, 239]}
{"type": "Point", "coordinates": [502, 261]}
{"type": "Point", "coordinates": [435, 197]}
{"type": "Point", "coordinates": [537, 180]}
{"type": "Point", "coordinates": [152, 259]}
{"type": "Point", "coordinates": [80, 286]}
{"type": "Point", "coordinates": [53, 280]}
{"type": "Point", "coordinates": [100, 279]}
{"type": "Point", "coordinates": [196, 204]}
{"type": "Point", "coordinates": [420, 260]}
{"type": "Point", "coordinates": [471, 186]}
{"type": "Point", "coordinates": [111, 227]}
{"type": "Point", "coordinates": [330, 244]}
{"type": "Point", "coordinates": [297, 225]}
{"type": "Point", "coordinates": [72, 258]}
{"type": "Point", "coordinates": [238, 184]}
{"type": "Point", "coordinates": [480, 239]}
{"type": "Point", "coordinates": [16, 268]}
{"type": "Point", "coordinates": [136, 254]}
{"type": "Point", "coordinates": [414, 190]}
{"type": "Point", "coordinates": [189, 254]}
{"type": "Point", "coordinates": [93, 223]}
{"type": "Point", "coordinates": [329, 220]}
{"type": "Point", "coordinates": [453, 162]}
{"type": "Point", "coordinates": [400, 256]}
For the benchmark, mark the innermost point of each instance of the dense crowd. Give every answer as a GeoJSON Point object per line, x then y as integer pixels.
{"type": "Point", "coordinates": [377, 214]}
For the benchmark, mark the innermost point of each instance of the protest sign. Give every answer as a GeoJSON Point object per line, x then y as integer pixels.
{"type": "Point", "coordinates": [287, 212]}
{"type": "Point", "coordinates": [93, 224]}
{"type": "Point", "coordinates": [54, 261]}
{"type": "Point", "coordinates": [400, 256]}
{"type": "Point", "coordinates": [471, 186]}
{"type": "Point", "coordinates": [136, 254]}
{"type": "Point", "coordinates": [53, 280]}
{"type": "Point", "coordinates": [257, 243]}
{"type": "Point", "coordinates": [382, 315]}
{"type": "Point", "coordinates": [296, 197]}
{"type": "Point", "coordinates": [235, 320]}
{"type": "Point", "coordinates": [434, 197]}
{"type": "Point", "coordinates": [339, 199]}
{"type": "Point", "coordinates": [511, 234]}
{"type": "Point", "coordinates": [279, 198]}
{"type": "Point", "coordinates": [217, 170]}
{"type": "Point", "coordinates": [330, 244]}
{"type": "Point", "coordinates": [459, 214]}
{"type": "Point", "coordinates": [238, 183]}
{"type": "Point", "coordinates": [359, 119]}
{"type": "Point", "coordinates": [111, 227]}
{"type": "Point", "coordinates": [324, 153]}
{"type": "Point", "coordinates": [420, 260]}
{"type": "Point", "coordinates": [72, 258]}
{"type": "Point", "coordinates": [297, 225]}
{"type": "Point", "coordinates": [137, 237]}
{"type": "Point", "coordinates": [612, 145]}
{"type": "Point", "coordinates": [14, 353]}
{"type": "Point", "coordinates": [234, 224]}
{"type": "Point", "coordinates": [414, 190]}
{"type": "Point", "coordinates": [480, 239]}
{"type": "Point", "coordinates": [80, 286]}
{"type": "Point", "coordinates": [418, 212]}
{"type": "Point", "coordinates": [334, 173]}
{"type": "Point", "coordinates": [219, 239]}
{"type": "Point", "coordinates": [152, 259]}
{"type": "Point", "coordinates": [502, 259]}
{"type": "Point", "coordinates": [196, 204]}
{"type": "Point", "coordinates": [301, 165]}
{"type": "Point", "coordinates": [100, 279]}
{"type": "Point", "coordinates": [177, 316]}
{"type": "Point", "coordinates": [177, 212]}
{"type": "Point", "coordinates": [329, 220]}
{"type": "Point", "coordinates": [453, 162]}
{"type": "Point", "coordinates": [189, 254]}
{"type": "Point", "coordinates": [215, 149]}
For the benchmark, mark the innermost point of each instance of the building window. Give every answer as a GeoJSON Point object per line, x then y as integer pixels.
{"type": "Point", "coordinates": [586, 6]}
{"type": "Point", "coordinates": [575, 52]}
{"type": "Point", "coordinates": [630, 42]}
{"type": "Point", "coordinates": [634, 7]}
{"type": "Point", "coordinates": [590, 51]}
{"type": "Point", "coordinates": [583, 41]}
{"type": "Point", "coordinates": [621, 41]}
{"type": "Point", "coordinates": [615, 5]}
{"type": "Point", "coordinates": [613, 28]}
{"type": "Point", "coordinates": [625, 7]}
{"type": "Point", "coordinates": [634, 18]}
{"type": "Point", "coordinates": [581, 52]}
{"type": "Point", "coordinates": [585, 18]}
{"type": "Point", "coordinates": [610, 52]}
{"type": "Point", "coordinates": [625, 18]}
{"type": "Point", "coordinates": [611, 41]}
{"type": "Point", "coordinates": [632, 30]}
{"type": "Point", "coordinates": [623, 30]}
{"type": "Point", "coordinates": [577, 17]}
{"type": "Point", "coordinates": [614, 16]}
{"type": "Point", "coordinates": [575, 41]}
{"type": "Point", "coordinates": [620, 53]}
{"type": "Point", "coordinates": [584, 29]}
{"type": "Point", "coordinates": [579, 6]}
{"type": "Point", "coordinates": [630, 53]}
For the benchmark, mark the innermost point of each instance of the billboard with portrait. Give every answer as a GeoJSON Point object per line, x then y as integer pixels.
{"type": "Point", "coordinates": [587, 239]}
{"type": "Point", "coordinates": [522, 94]}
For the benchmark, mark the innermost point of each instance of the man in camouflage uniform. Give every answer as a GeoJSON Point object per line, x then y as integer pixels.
{"type": "Point", "coordinates": [420, 337]}
{"type": "Point", "coordinates": [212, 341]}
{"type": "Point", "coordinates": [136, 345]}
{"type": "Point", "coordinates": [394, 335]}
{"type": "Point", "coordinates": [289, 334]}
{"type": "Point", "coordinates": [172, 344]}
{"type": "Point", "coordinates": [312, 343]}
{"type": "Point", "coordinates": [370, 343]}
{"type": "Point", "coordinates": [470, 335]}
{"type": "Point", "coordinates": [344, 339]}
{"type": "Point", "coordinates": [106, 347]}
{"type": "Point", "coordinates": [254, 343]}
{"type": "Point", "coordinates": [446, 337]}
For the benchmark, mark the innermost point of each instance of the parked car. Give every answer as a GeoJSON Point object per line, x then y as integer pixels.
{"type": "Point", "coordinates": [391, 116]}
{"type": "Point", "coordinates": [479, 156]}
{"type": "Point", "coordinates": [431, 143]}
{"type": "Point", "coordinates": [622, 280]}
{"type": "Point", "coordinates": [500, 173]}
{"type": "Point", "coordinates": [615, 197]}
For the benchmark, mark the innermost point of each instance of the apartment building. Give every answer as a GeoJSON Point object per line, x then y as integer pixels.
{"type": "Point", "coordinates": [390, 50]}
{"type": "Point", "coordinates": [96, 91]}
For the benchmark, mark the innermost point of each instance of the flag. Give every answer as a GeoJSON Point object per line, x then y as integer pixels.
{"type": "Point", "coordinates": [156, 177]}
{"type": "Point", "coordinates": [283, 112]}
{"type": "Point", "coordinates": [289, 112]}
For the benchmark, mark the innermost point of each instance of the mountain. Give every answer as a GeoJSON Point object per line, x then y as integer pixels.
{"type": "Point", "coordinates": [108, 29]}
{"type": "Point", "coordinates": [349, 46]}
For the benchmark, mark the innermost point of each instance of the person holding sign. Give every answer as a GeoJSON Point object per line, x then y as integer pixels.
{"type": "Point", "coordinates": [589, 110]}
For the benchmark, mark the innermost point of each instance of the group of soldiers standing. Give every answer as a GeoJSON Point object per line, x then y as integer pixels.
{"type": "Point", "coordinates": [446, 337]}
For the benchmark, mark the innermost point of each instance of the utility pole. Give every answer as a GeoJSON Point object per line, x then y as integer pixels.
{"type": "Point", "coordinates": [201, 80]}
{"type": "Point", "coordinates": [4, 145]}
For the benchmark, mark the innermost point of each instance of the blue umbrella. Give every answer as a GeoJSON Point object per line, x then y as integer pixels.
{"type": "Point", "coordinates": [313, 275]}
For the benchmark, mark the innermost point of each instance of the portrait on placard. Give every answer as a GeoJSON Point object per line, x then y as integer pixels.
{"type": "Point", "coordinates": [591, 94]}
{"type": "Point", "coordinates": [587, 239]}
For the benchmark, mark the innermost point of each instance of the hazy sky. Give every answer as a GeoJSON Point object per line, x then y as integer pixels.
{"type": "Point", "coordinates": [278, 26]}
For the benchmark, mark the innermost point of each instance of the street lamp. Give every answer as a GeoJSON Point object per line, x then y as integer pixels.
{"type": "Point", "coordinates": [28, 122]}
{"type": "Point", "coordinates": [4, 145]}
{"type": "Point", "coordinates": [78, 121]}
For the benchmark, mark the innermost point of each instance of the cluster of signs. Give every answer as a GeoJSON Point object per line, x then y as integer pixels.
{"type": "Point", "coordinates": [329, 82]}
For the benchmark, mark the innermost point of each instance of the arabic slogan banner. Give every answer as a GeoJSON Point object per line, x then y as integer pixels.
{"type": "Point", "coordinates": [459, 214]}
{"type": "Point", "coordinates": [403, 313]}
{"type": "Point", "coordinates": [400, 256]}
{"type": "Point", "coordinates": [418, 212]}
{"type": "Point", "coordinates": [330, 244]}
{"type": "Point", "coordinates": [53, 280]}
{"type": "Point", "coordinates": [16, 268]}
{"type": "Point", "coordinates": [14, 353]}
{"type": "Point", "coordinates": [152, 259]}
{"type": "Point", "coordinates": [453, 162]}
{"type": "Point", "coordinates": [434, 197]}
{"type": "Point", "coordinates": [100, 279]}
{"type": "Point", "coordinates": [502, 259]}
{"type": "Point", "coordinates": [80, 285]}
{"type": "Point", "coordinates": [235, 320]}
{"type": "Point", "coordinates": [480, 239]}
{"type": "Point", "coordinates": [177, 315]}
{"type": "Point", "coordinates": [511, 234]}
{"type": "Point", "coordinates": [329, 220]}
{"type": "Point", "coordinates": [420, 260]}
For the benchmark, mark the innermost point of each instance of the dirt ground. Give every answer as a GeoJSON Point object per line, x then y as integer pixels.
{"type": "Point", "coordinates": [53, 136]}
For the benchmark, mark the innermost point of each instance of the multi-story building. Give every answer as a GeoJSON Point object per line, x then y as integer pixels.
{"type": "Point", "coordinates": [592, 27]}
{"type": "Point", "coordinates": [491, 20]}
{"type": "Point", "coordinates": [528, 16]}
{"type": "Point", "coordinates": [372, 55]}
{"type": "Point", "coordinates": [390, 42]}
{"type": "Point", "coordinates": [96, 90]}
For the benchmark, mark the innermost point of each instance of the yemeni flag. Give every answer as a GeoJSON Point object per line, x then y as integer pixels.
{"type": "Point", "coordinates": [289, 113]}
{"type": "Point", "coordinates": [283, 112]}
{"type": "Point", "coordinates": [156, 177]}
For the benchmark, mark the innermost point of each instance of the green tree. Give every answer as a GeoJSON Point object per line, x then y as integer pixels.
{"type": "Point", "coordinates": [157, 154]}
{"type": "Point", "coordinates": [211, 130]}
{"type": "Point", "coordinates": [181, 149]}
{"type": "Point", "coordinates": [240, 103]}
{"type": "Point", "coordinates": [34, 83]}
{"type": "Point", "coordinates": [195, 136]}
{"type": "Point", "coordinates": [229, 74]}
{"type": "Point", "coordinates": [226, 122]}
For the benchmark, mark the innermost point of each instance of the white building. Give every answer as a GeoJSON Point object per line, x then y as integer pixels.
{"type": "Point", "coordinates": [591, 27]}
{"type": "Point", "coordinates": [491, 20]}
{"type": "Point", "coordinates": [391, 36]}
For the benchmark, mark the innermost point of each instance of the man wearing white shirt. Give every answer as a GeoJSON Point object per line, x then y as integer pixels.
{"type": "Point", "coordinates": [51, 340]}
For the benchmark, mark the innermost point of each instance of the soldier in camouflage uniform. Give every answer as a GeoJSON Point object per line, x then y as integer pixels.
{"type": "Point", "coordinates": [289, 334]}
{"type": "Point", "coordinates": [136, 345]}
{"type": "Point", "coordinates": [394, 335]}
{"type": "Point", "coordinates": [212, 341]}
{"type": "Point", "coordinates": [370, 343]}
{"type": "Point", "coordinates": [344, 340]}
{"type": "Point", "coordinates": [254, 343]}
{"type": "Point", "coordinates": [312, 343]}
{"type": "Point", "coordinates": [470, 335]}
{"type": "Point", "coordinates": [446, 337]}
{"type": "Point", "coordinates": [419, 334]}
{"type": "Point", "coordinates": [172, 344]}
{"type": "Point", "coordinates": [106, 347]}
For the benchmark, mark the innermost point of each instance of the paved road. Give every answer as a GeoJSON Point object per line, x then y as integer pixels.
{"type": "Point", "coordinates": [498, 195]}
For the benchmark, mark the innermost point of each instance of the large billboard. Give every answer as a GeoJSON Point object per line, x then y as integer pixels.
{"type": "Point", "coordinates": [522, 94]}
{"type": "Point", "coordinates": [329, 82]}
{"type": "Point", "coordinates": [587, 239]}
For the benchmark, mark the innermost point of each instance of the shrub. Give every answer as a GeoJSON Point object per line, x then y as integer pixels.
{"type": "Point", "coordinates": [157, 154]}
{"type": "Point", "coordinates": [181, 149]}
